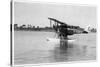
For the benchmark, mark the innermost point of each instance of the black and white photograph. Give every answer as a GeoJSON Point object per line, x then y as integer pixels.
{"type": "Point", "coordinates": [52, 32]}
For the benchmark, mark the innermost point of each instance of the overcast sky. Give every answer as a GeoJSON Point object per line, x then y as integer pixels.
{"type": "Point", "coordinates": [37, 14]}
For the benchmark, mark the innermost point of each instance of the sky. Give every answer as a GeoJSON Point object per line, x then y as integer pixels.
{"type": "Point", "coordinates": [37, 14]}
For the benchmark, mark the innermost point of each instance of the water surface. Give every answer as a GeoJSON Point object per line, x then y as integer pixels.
{"type": "Point", "coordinates": [32, 47]}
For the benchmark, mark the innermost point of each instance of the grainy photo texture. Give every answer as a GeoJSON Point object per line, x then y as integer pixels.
{"type": "Point", "coordinates": [51, 33]}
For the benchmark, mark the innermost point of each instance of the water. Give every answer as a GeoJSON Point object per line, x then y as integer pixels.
{"type": "Point", "coordinates": [33, 48]}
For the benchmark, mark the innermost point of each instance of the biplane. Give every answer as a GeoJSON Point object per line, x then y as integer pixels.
{"type": "Point", "coordinates": [61, 29]}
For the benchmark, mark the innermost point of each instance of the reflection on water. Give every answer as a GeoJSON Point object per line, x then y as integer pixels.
{"type": "Point", "coordinates": [60, 52]}
{"type": "Point", "coordinates": [69, 52]}
{"type": "Point", "coordinates": [32, 48]}
{"type": "Point", "coordinates": [63, 45]}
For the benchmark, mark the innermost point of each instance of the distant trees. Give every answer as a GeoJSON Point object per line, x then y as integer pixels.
{"type": "Point", "coordinates": [15, 26]}
{"type": "Point", "coordinates": [22, 27]}
{"type": "Point", "coordinates": [91, 29]}
{"type": "Point", "coordinates": [29, 27]}
{"type": "Point", "coordinates": [71, 28]}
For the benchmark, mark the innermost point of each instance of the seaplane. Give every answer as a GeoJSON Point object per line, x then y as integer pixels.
{"type": "Point", "coordinates": [62, 31]}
